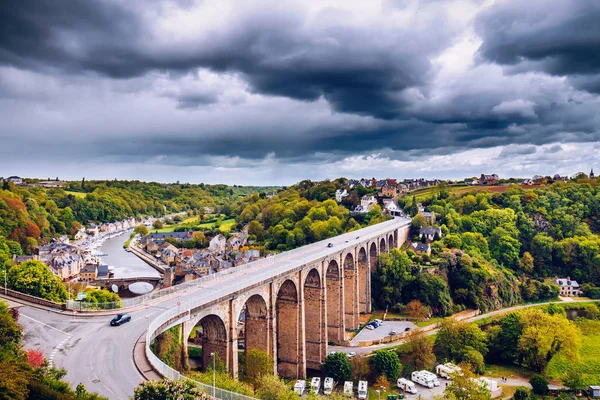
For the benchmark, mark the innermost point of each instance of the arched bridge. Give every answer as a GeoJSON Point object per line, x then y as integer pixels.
{"type": "Point", "coordinates": [123, 283]}
{"type": "Point", "coordinates": [290, 305]}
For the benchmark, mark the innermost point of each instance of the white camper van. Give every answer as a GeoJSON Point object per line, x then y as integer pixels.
{"type": "Point", "coordinates": [315, 385]}
{"type": "Point", "coordinates": [407, 386]}
{"type": "Point", "coordinates": [328, 386]}
{"type": "Point", "coordinates": [300, 386]}
{"type": "Point", "coordinates": [348, 388]}
{"type": "Point", "coordinates": [422, 379]}
{"type": "Point", "coordinates": [363, 389]}
{"type": "Point", "coordinates": [433, 377]}
{"type": "Point", "coordinates": [443, 371]}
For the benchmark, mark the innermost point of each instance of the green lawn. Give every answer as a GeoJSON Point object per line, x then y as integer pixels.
{"type": "Point", "coordinates": [589, 364]}
{"type": "Point", "coordinates": [192, 223]}
{"type": "Point", "coordinates": [76, 194]}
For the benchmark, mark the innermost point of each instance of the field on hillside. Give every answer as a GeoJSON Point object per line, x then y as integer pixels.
{"type": "Point", "coordinates": [589, 365]}
{"type": "Point", "coordinates": [76, 194]}
{"type": "Point", "coordinates": [425, 193]}
{"type": "Point", "coordinates": [193, 222]}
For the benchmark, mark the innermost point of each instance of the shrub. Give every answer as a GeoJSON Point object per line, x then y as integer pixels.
{"type": "Point", "coordinates": [522, 393]}
{"type": "Point", "coordinates": [337, 365]}
{"type": "Point", "coordinates": [387, 362]}
{"type": "Point", "coordinates": [539, 385]}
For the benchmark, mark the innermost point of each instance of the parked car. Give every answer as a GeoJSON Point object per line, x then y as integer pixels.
{"type": "Point", "coordinates": [351, 354]}
{"type": "Point", "coordinates": [120, 319]}
{"type": "Point", "coordinates": [407, 329]}
{"type": "Point", "coordinates": [393, 333]}
{"type": "Point", "coordinates": [370, 327]}
{"type": "Point", "coordinates": [331, 352]}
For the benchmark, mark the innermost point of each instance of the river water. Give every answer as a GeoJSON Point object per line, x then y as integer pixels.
{"type": "Point", "coordinates": [126, 264]}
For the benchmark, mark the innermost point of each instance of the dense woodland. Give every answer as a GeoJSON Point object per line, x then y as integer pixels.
{"type": "Point", "coordinates": [299, 215]}
{"type": "Point", "coordinates": [498, 249]}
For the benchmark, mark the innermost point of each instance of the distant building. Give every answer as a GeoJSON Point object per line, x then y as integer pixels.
{"type": "Point", "coordinates": [15, 180]}
{"type": "Point", "coordinates": [430, 233]}
{"type": "Point", "coordinates": [217, 244]}
{"type": "Point", "coordinates": [422, 248]}
{"type": "Point", "coordinates": [340, 194]}
{"type": "Point", "coordinates": [88, 273]}
{"type": "Point", "coordinates": [568, 288]}
{"type": "Point", "coordinates": [488, 179]}
{"type": "Point", "coordinates": [592, 176]}
{"type": "Point", "coordinates": [159, 237]}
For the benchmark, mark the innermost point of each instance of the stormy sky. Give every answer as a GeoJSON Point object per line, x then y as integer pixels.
{"type": "Point", "coordinates": [272, 92]}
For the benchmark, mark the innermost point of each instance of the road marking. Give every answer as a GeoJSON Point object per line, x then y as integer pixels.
{"type": "Point", "coordinates": [57, 347]}
{"type": "Point", "coordinates": [94, 372]}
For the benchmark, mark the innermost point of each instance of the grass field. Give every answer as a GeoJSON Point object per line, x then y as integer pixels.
{"type": "Point", "coordinates": [76, 194]}
{"type": "Point", "coordinates": [589, 365]}
{"type": "Point", "coordinates": [192, 222]}
{"type": "Point", "coordinates": [426, 193]}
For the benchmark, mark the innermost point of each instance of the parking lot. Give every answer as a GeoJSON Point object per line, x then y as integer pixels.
{"type": "Point", "coordinates": [383, 331]}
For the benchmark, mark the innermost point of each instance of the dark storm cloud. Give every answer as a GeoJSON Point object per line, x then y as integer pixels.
{"type": "Point", "coordinates": [277, 53]}
{"type": "Point", "coordinates": [560, 38]}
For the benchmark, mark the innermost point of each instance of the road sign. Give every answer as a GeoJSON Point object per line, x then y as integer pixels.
{"type": "Point", "coordinates": [81, 296]}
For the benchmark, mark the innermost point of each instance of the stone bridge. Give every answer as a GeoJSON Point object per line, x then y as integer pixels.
{"type": "Point", "coordinates": [290, 305]}
{"type": "Point", "coordinates": [123, 283]}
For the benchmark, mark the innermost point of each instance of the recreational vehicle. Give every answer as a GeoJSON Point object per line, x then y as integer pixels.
{"type": "Point", "coordinates": [434, 378]}
{"type": "Point", "coordinates": [315, 385]}
{"type": "Point", "coordinates": [422, 379]}
{"type": "Point", "coordinates": [328, 386]}
{"type": "Point", "coordinates": [407, 386]}
{"type": "Point", "coordinates": [300, 386]}
{"type": "Point", "coordinates": [362, 389]}
{"type": "Point", "coordinates": [348, 388]}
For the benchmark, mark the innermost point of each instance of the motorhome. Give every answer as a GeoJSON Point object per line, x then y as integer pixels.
{"type": "Point", "coordinates": [490, 384]}
{"type": "Point", "coordinates": [435, 379]}
{"type": "Point", "coordinates": [315, 385]}
{"type": "Point", "coordinates": [407, 386]}
{"type": "Point", "coordinates": [348, 388]}
{"type": "Point", "coordinates": [363, 389]}
{"type": "Point", "coordinates": [300, 386]}
{"type": "Point", "coordinates": [422, 379]}
{"type": "Point", "coordinates": [443, 371]}
{"type": "Point", "coordinates": [328, 385]}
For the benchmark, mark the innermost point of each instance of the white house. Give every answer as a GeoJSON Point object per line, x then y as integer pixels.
{"type": "Point", "coordinates": [217, 244]}
{"type": "Point", "coordinates": [367, 202]}
{"type": "Point", "coordinates": [568, 287]}
{"type": "Point", "coordinates": [340, 194]}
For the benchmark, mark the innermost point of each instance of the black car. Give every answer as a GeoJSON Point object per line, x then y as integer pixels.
{"type": "Point", "coordinates": [330, 245]}
{"type": "Point", "coordinates": [120, 319]}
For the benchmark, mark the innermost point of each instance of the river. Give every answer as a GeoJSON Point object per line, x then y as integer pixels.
{"type": "Point", "coordinates": [126, 264]}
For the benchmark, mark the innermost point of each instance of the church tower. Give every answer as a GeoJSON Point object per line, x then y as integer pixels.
{"type": "Point", "coordinates": [592, 174]}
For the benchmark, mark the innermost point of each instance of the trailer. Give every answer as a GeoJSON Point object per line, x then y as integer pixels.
{"type": "Point", "coordinates": [300, 386]}
{"type": "Point", "coordinates": [328, 385]}
{"type": "Point", "coordinates": [363, 389]}
{"type": "Point", "coordinates": [407, 386]}
{"type": "Point", "coordinates": [348, 388]}
{"type": "Point", "coordinates": [445, 370]}
{"type": "Point", "coordinates": [315, 385]}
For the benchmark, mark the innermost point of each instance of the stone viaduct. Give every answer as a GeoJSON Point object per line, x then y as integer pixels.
{"type": "Point", "coordinates": [293, 315]}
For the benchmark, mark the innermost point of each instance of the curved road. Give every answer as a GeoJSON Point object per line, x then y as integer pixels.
{"type": "Point", "coordinates": [100, 356]}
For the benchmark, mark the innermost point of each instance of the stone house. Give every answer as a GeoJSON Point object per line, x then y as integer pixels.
{"type": "Point", "coordinates": [430, 233]}
{"type": "Point", "coordinates": [568, 288]}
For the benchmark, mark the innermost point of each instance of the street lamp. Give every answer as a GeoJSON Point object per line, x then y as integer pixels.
{"type": "Point", "coordinates": [214, 373]}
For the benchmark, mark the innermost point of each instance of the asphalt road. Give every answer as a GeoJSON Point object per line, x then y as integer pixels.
{"type": "Point", "coordinates": [100, 356]}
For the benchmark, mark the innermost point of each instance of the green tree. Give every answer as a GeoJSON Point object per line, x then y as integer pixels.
{"type": "Point", "coordinates": [463, 385]}
{"type": "Point", "coordinates": [181, 389]}
{"type": "Point", "coordinates": [387, 362]}
{"type": "Point", "coordinates": [271, 387]}
{"type": "Point", "coordinates": [360, 367]}
{"type": "Point", "coordinates": [544, 336]}
{"type": "Point", "coordinates": [393, 274]}
{"type": "Point", "coordinates": [455, 339]}
{"type": "Point", "coordinates": [419, 221]}
{"type": "Point", "coordinates": [34, 278]}
{"type": "Point", "coordinates": [141, 230]}
{"type": "Point", "coordinates": [522, 393]}
{"type": "Point", "coordinates": [573, 379]}
{"type": "Point", "coordinates": [337, 365]}
{"type": "Point", "coordinates": [420, 350]}
{"type": "Point", "coordinates": [256, 364]}
{"type": "Point", "coordinates": [157, 224]}
{"type": "Point", "coordinates": [539, 385]}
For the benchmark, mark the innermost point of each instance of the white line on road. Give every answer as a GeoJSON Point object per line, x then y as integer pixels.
{"type": "Point", "coordinates": [57, 347]}
{"type": "Point", "coordinates": [94, 372]}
